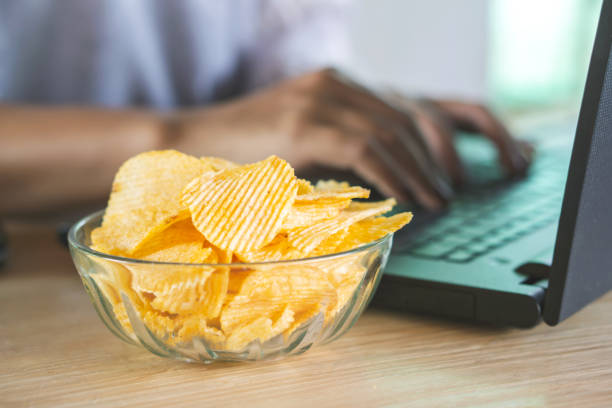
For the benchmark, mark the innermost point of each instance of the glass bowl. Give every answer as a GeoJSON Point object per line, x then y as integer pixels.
{"type": "Point", "coordinates": [230, 312]}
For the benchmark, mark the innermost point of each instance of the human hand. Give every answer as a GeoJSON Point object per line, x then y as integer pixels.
{"type": "Point", "coordinates": [405, 148]}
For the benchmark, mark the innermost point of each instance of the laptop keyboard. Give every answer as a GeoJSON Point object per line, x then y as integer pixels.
{"type": "Point", "coordinates": [490, 214]}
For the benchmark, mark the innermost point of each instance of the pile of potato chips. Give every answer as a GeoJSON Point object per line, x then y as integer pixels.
{"type": "Point", "coordinates": [219, 223]}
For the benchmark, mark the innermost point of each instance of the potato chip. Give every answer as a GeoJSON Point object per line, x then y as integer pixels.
{"type": "Point", "coordinates": [283, 322]}
{"type": "Point", "coordinates": [99, 242]}
{"type": "Point", "coordinates": [146, 195]}
{"type": "Point", "coordinates": [222, 256]}
{"type": "Point", "coordinates": [237, 278]}
{"type": "Point", "coordinates": [110, 285]}
{"type": "Point", "coordinates": [366, 205]}
{"type": "Point", "coordinates": [339, 193]}
{"type": "Point", "coordinates": [261, 329]}
{"type": "Point", "coordinates": [304, 187]}
{"type": "Point", "coordinates": [266, 292]}
{"type": "Point", "coordinates": [278, 249]}
{"type": "Point", "coordinates": [178, 289]}
{"type": "Point", "coordinates": [242, 209]}
{"type": "Point", "coordinates": [178, 242]}
{"type": "Point", "coordinates": [166, 280]}
{"type": "Point", "coordinates": [304, 213]}
{"type": "Point", "coordinates": [303, 317]}
{"type": "Point", "coordinates": [216, 288]}
{"type": "Point", "coordinates": [119, 278]}
{"type": "Point", "coordinates": [339, 267]}
{"type": "Point", "coordinates": [160, 323]}
{"type": "Point", "coordinates": [197, 327]}
{"type": "Point", "coordinates": [329, 244]}
{"type": "Point", "coordinates": [345, 272]}
{"type": "Point", "coordinates": [308, 238]}
{"type": "Point", "coordinates": [122, 317]}
{"type": "Point", "coordinates": [218, 164]}
{"type": "Point", "coordinates": [371, 229]}
{"type": "Point", "coordinates": [323, 185]}
{"type": "Point", "coordinates": [107, 287]}
{"type": "Point", "coordinates": [345, 288]}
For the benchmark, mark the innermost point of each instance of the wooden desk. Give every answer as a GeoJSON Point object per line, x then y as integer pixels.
{"type": "Point", "coordinates": [56, 352]}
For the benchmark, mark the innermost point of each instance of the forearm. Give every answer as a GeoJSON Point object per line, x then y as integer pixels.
{"type": "Point", "coordinates": [244, 130]}
{"type": "Point", "coordinates": [59, 157]}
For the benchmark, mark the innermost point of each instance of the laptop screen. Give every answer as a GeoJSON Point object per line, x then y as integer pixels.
{"type": "Point", "coordinates": [582, 264]}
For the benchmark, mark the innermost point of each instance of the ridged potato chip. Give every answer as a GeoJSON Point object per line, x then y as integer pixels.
{"type": "Point", "coordinates": [304, 213]}
{"type": "Point", "coordinates": [371, 229]}
{"type": "Point", "coordinates": [278, 249]}
{"type": "Point", "coordinates": [216, 286]}
{"type": "Point", "coordinates": [176, 289]}
{"type": "Point", "coordinates": [303, 316]}
{"type": "Point", "coordinates": [160, 323]}
{"type": "Point", "coordinates": [323, 185]}
{"type": "Point", "coordinates": [330, 244]}
{"type": "Point", "coordinates": [242, 209]}
{"type": "Point", "coordinates": [304, 186]}
{"type": "Point", "coordinates": [345, 288]}
{"type": "Point", "coordinates": [122, 317]}
{"type": "Point", "coordinates": [99, 242]}
{"type": "Point", "coordinates": [267, 292]}
{"type": "Point", "coordinates": [223, 256]}
{"type": "Point", "coordinates": [367, 205]}
{"type": "Point", "coordinates": [344, 272]}
{"type": "Point", "coordinates": [178, 242]}
{"type": "Point", "coordinates": [173, 288]}
{"type": "Point", "coordinates": [146, 195]}
{"type": "Point", "coordinates": [194, 327]}
{"type": "Point", "coordinates": [262, 329]}
{"type": "Point", "coordinates": [308, 238]}
{"type": "Point", "coordinates": [120, 278]}
{"type": "Point", "coordinates": [339, 193]}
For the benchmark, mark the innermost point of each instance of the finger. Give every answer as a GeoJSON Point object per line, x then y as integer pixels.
{"type": "Point", "coordinates": [395, 149]}
{"type": "Point", "coordinates": [438, 133]}
{"type": "Point", "coordinates": [354, 97]}
{"type": "Point", "coordinates": [335, 86]}
{"type": "Point", "coordinates": [329, 145]}
{"type": "Point", "coordinates": [475, 118]}
{"type": "Point", "coordinates": [377, 172]}
{"type": "Point", "coordinates": [527, 149]}
{"type": "Point", "coordinates": [416, 184]}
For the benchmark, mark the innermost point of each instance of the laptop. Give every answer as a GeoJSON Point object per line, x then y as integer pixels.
{"type": "Point", "coordinates": [516, 252]}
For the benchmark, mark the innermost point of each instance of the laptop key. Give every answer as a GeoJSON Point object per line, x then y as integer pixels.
{"type": "Point", "coordinates": [433, 249]}
{"type": "Point", "coordinates": [477, 246]}
{"type": "Point", "coordinates": [460, 255]}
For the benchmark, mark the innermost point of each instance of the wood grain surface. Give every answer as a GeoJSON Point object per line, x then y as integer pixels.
{"type": "Point", "coordinates": [54, 351]}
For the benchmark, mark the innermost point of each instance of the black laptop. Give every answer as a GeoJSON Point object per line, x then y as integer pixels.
{"type": "Point", "coordinates": [512, 252]}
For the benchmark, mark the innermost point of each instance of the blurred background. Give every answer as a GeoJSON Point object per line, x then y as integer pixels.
{"type": "Point", "coordinates": [520, 55]}
{"type": "Point", "coordinates": [524, 58]}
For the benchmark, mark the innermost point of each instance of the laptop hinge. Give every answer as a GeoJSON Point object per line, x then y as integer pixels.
{"type": "Point", "coordinates": [534, 272]}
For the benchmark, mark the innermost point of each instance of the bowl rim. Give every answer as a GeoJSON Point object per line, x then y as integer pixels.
{"type": "Point", "coordinates": [75, 243]}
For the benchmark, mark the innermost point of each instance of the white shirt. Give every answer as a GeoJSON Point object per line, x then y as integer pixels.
{"type": "Point", "coordinates": [160, 53]}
